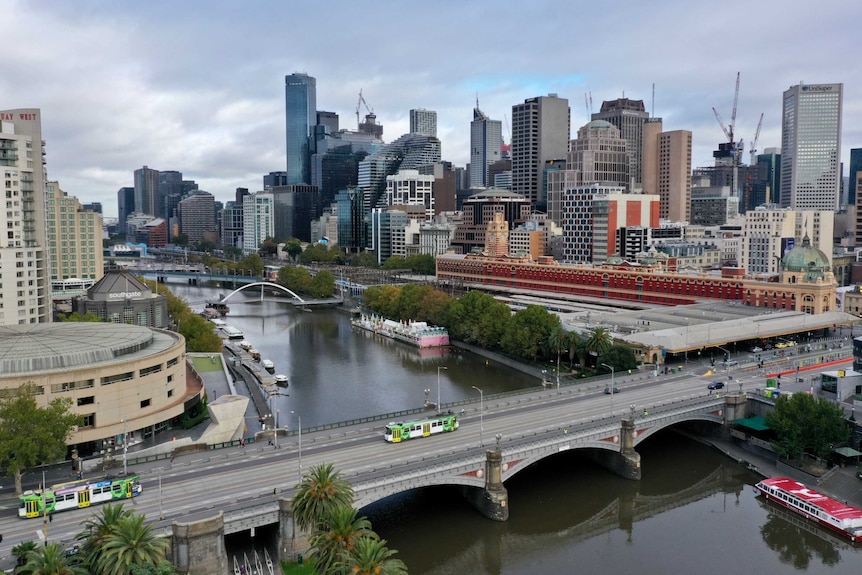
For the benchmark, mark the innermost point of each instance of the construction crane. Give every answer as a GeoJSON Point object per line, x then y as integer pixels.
{"type": "Point", "coordinates": [588, 103]}
{"type": "Point", "coordinates": [729, 130]}
{"type": "Point", "coordinates": [755, 140]}
{"type": "Point", "coordinates": [359, 104]}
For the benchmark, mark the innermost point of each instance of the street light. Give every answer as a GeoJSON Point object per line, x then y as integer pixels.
{"type": "Point", "coordinates": [439, 367]}
{"type": "Point", "coordinates": [274, 414]}
{"type": "Point", "coordinates": [299, 420]}
{"type": "Point", "coordinates": [481, 415]}
{"type": "Point", "coordinates": [161, 513]}
{"type": "Point", "coordinates": [125, 447]}
{"type": "Point", "coordinates": [612, 386]}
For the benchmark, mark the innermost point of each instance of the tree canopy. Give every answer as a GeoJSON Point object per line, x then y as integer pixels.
{"type": "Point", "coordinates": [32, 435]}
{"type": "Point", "coordinates": [806, 424]}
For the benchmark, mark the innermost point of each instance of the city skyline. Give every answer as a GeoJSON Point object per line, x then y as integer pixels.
{"type": "Point", "coordinates": [132, 87]}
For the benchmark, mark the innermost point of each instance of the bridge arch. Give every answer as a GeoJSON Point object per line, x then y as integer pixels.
{"type": "Point", "coordinates": [261, 284]}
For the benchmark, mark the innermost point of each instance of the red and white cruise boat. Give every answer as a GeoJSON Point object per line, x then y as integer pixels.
{"type": "Point", "coordinates": [839, 517]}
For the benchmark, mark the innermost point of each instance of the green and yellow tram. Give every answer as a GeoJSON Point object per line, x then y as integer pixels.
{"type": "Point", "coordinates": [402, 431]}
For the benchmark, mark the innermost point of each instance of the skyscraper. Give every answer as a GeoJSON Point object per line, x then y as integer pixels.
{"type": "Point", "coordinates": [541, 128]}
{"type": "Point", "coordinates": [855, 166]}
{"type": "Point", "coordinates": [75, 246]}
{"type": "Point", "coordinates": [300, 93]}
{"type": "Point", "coordinates": [667, 169]}
{"type": "Point", "coordinates": [486, 145]}
{"type": "Point", "coordinates": [811, 146]}
{"type": "Point", "coordinates": [599, 155]}
{"type": "Point", "coordinates": [628, 116]}
{"type": "Point", "coordinates": [24, 265]}
{"type": "Point", "coordinates": [125, 205]}
{"type": "Point", "coordinates": [147, 191]}
{"type": "Point", "coordinates": [423, 122]}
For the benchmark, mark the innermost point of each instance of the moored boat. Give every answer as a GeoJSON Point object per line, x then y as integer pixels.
{"type": "Point", "coordinates": [232, 332]}
{"type": "Point", "coordinates": [255, 355]}
{"type": "Point", "coordinates": [281, 380]}
{"type": "Point", "coordinates": [268, 365]}
{"type": "Point", "coordinates": [416, 333]}
{"type": "Point", "coordinates": [835, 515]}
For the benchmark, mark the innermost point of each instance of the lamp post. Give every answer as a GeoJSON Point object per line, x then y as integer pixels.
{"type": "Point", "coordinates": [274, 414]}
{"type": "Point", "coordinates": [125, 447]}
{"type": "Point", "coordinates": [481, 415]}
{"type": "Point", "coordinates": [613, 371]}
{"type": "Point", "coordinates": [299, 424]}
{"type": "Point", "coordinates": [161, 513]}
{"type": "Point", "coordinates": [439, 367]}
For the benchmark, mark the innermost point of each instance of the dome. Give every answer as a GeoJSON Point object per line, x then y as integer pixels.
{"type": "Point", "coordinates": [806, 258]}
{"type": "Point", "coordinates": [599, 124]}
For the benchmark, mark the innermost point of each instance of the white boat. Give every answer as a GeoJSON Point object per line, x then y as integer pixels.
{"type": "Point", "coordinates": [257, 563]}
{"type": "Point", "coordinates": [236, 569]}
{"type": "Point", "coordinates": [245, 344]}
{"type": "Point", "coordinates": [281, 380]}
{"type": "Point", "coordinates": [232, 332]}
{"type": "Point", "coordinates": [246, 563]}
{"type": "Point", "coordinates": [268, 365]}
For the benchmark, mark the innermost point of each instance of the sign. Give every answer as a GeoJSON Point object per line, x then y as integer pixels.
{"type": "Point", "coordinates": [124, 295]}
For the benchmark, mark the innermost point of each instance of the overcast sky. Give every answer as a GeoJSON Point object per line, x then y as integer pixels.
{"type": "Point", "coordinates": [198, 85]}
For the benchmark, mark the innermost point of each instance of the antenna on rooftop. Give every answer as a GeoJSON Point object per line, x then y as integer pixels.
{"type": "Point", "coordinates": [653, 100]}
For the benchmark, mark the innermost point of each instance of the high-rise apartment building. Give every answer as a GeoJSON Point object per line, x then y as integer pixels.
{"type": "Point", "coordinates": [811, 147]}
{"type": "Point", "coordinates": [24, 258]}
{"type": "Point", "coordinates": [667, 169]}
{"type": "Point", "coordinates": [599, 155]}
{"type": "Point", "coordinates": [423, 122]}
{"type": "Point", "coordinates": [74, 241]}
{"type": "Point", "coordinates": [300, 119]}
{"type": "Point", "coordinates": [258, 212]}
{"type": "Point", "coordinates": [125, 205]}
{"type": "Point", "coordinates": [147, 198]}
{"type": "Point", "coordinates": [197, 217]}
{"type": "Point", "coordinates": [486, 147]}
{"type": "Point", "coordinates": [628, 116]}
{"type": "Point", "coordinates": [541, 129]}
{"type": "Point", "coordinates": [408, 187]}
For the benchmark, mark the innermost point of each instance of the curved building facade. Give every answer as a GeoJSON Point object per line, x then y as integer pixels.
{"type": "Point", "coordinates": [125, 381]}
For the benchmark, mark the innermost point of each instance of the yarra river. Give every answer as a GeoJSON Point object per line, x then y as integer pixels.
{"type": "Point", "coordinates": [694, 511]}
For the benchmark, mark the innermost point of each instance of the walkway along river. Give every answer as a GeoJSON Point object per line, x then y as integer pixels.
{"type": "Point", "coordinates": [693, 511]}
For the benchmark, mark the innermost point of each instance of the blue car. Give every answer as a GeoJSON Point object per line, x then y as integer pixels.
{"type": "Point", "coordinates": [716, 385]}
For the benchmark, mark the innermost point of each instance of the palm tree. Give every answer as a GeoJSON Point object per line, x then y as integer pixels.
{"type": "Point", "coordinates": [370, 556]}
{"type": "Point", "coordinates": [50, 560]}
{"type": "Point", "coordinates": [97, 529]}
{"type": "Point", "coordinates": [319, 493]}
{"type": "Point", "coordinates": [577, 348]}
{"type": "Point", "coordinates": [558, 341]}
{"type": "Point", "coordinates": [23, 550]}
{"type": "Point", "coordinates": [600, 341]}
{"type": "Point", "coordinates": [131, 543]}
{"type": "Point", "coordinates": [342, 532]}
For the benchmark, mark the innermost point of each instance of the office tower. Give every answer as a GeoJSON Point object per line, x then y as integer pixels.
{"type": "Point", "coordinates": [770, 232]}
{"type": "Point", "coordinates": [352, 229]}
{"type": "Point", "coordinates": [329, 121]}
{"type": "Point", "coordinates": [231, 224]}
{"type": "Point", "coordinates": [423, 122]}
{"type": "Point", "coordinates": [541, 129]}
{"type": "Point", "coordinates": [444, 185]}
{"type": "Point", "coordinates": [300, 119]}
{"type": "Point", "coordinates": [273, 179]}
{"type": "Point", "coordinates": [147, 191]}
{"type": "Point", "coordinates": [258, 215]}
{"type": "Point", "coordinates": [479, 209]}
{"type": "Point", "coordinates": [125, 205]}
{"type": "Point", "coordinates": [667, 169]}
{"type": "Point", "coordinates": [74, 241]}
{"type": "Point", "coordinates": [599, 155]}
{"type": "Point", "coordinates": [408, 187]}
{"type": "Point", "coordinates": [295, 207]}
{"type": "Point", "coordinates": [628, 116]}
{"type": "Point", "coordinates": [409, 152]}
{"type": "Point", "coordinates": [711, 205]}
{"type": "Point", "coordinates": [767, 182]}
{"type": "Point", "coordinates": [811, 146]}
{"type": "Point", "coordinates": [855, 167]}
{"type": "Point", "coordinates": [197, 217]}
{"type": "Point", "coordinates": [486, 147]}
{"type": "Point", "coordinates": [93, 207]}
{"type": "Point", "coordinates": [24, 258]}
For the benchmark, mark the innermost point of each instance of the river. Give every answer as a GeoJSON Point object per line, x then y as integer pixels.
{"type": "Point", "coordinates": [694, 511]}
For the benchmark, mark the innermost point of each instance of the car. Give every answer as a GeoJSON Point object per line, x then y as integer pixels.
{"type": "Point", "coordinates": [756, 349]}
{"type": "Point", "coordinates": [716, 385]}
{"type": "Point", "coordinates": [730, 363]}
{"type": "Point", "coordinates": [609, 390]}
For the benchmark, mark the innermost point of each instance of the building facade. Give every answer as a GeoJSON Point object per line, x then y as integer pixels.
{"type": "Point", "coordinates": [197, 217]}
{"type": "Point", "coordinates": [409, 187]}
{"type": "Point", "coordinates": [24, 257]}
{"type": "Point", "coordinates": [300, 119]}
{"type": "Point", "coordinates": [125, 205]}
{"type": "Point", "coordinates": [258, 213]}
{"type": "Point", "coordinates": [423, 122]}
{"type": "Point", "coordinates": [628, 116]}
{"type": "Point", "coordinates": [486, 147]}
{"type": "Point", "coordinates": [74, 240]}
{"type": "Point", "coordinates": [147, 198]}
{"type": "Point", "coordinates": [599, 156]}
{"type": "Point", "coordinates": [811, 147]}
{"type": "Point", "coordinates": [674, 175]}
{"type": "Point", "coordinates": [541, 130]}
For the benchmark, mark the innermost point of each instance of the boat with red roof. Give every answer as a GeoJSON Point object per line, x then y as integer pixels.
{"type": "Point", "coordinates": [835, 515]}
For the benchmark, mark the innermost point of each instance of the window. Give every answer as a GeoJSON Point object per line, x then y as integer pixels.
{"type": "Point", "coordinates": [119, 377]}
{"type": "Point", "coordinates": [170, 393]}
{"type": "Point", "coordinates": [89, 400]}
{"type": "Point", "coordinates": [89, 420]}
{"type": "Point", "coordinates": [150, 370]}
{"type": "Point", "coordinates": [145, 403]}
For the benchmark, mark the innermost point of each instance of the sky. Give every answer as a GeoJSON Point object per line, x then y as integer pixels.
{"type": "Point", "coordinates": [198, 86]}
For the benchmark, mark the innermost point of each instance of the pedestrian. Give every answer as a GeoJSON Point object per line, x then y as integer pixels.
{"type": "Point", "coordinates": [645, 412]}
{"type": "Point", "coordinates": [269, 442]}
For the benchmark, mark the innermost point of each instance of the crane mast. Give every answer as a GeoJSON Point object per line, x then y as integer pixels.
{"type": "Point", "coordinates": [755, 140]}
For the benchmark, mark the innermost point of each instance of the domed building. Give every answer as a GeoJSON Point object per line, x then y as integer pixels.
{"type": "Point", "coordinates": [600, 154]}
{"type": "Point", "coordinates": [808, 268]}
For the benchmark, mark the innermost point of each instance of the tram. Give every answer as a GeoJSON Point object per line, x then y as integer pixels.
{"type": "Point", "coordinates": [77, 494]}
{"type": "Point", "coordinates": [402, 431]}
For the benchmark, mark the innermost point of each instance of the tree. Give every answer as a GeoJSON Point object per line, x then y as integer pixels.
{"type": "Point", "coordinates": [163, 568]}
{"type": "Point", "coordinates": [293, 247]}
{"type": "Point", "coordinates": [395, 263]}
{"type": "Point", "coordinates": [528, 330]}
{"type": "Point", "coordinates": [424, 264]}
{"type": "Point", "coordinates": [232, 252]}
{"type": "Point", "coordinates": [370, 556]}
{"type": "Point", "coordinates": [130, 543]}
{"type": "Point", "coordinates": [199, 334]}
{"type": "Point", "coordinates": [180, 240]}
{"type": "Point", "coordinates": [804, 423]}
{"type": "Point", "coordinates": [557, 344]}
{"type": "Point", "coordinates": [96, 531]}
{"type": "Point", "coordinates": [577, 348]}
{"type": "Point", "coordinates": [599, 342]}
{"type": "Point", "coordinates": [31, 435]}
{"type": "Point", "coordinates": [22, 551]}
{"type": "Point", "coordinates": [205, 246]}
{"type": "Point", "coordinates": [322, 285]}
{"type": "Point", "coordinates": [252, 263]}
{"type": "Point", "coordinates": [319, 493]}
{"type": "Point", "coordinates": [620, 356]}
{"type": "Point", "coordinates": [76, 316]}
{"type": "Point", "coordinates": [269, 246]}
{"type": "Point", "coordinates": [50, 560]}
{"type": "Point", "coordinates": [338, 537]}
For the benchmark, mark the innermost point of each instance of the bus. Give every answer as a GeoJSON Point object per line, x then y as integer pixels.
{"type": "Point", "coordinates": [77, 494]}
{"type": "Point", "coordinates": [402, 431]}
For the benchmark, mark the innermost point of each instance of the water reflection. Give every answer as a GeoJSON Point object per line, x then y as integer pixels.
{"type": "Point", "coordinates": [798, 541]}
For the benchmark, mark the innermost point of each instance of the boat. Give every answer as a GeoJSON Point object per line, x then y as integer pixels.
{"type": "Point", "coordinates": [268, 560]}
{"type": "Point", "coordinates": [835, 515]}
{"type": "Point", "coordinates": [232, 332]}
{"type": "Point", "coordinates": [417, 333]}
{"type": "Point", "coordinates": [257, 563]}
{"type": "Point", "coordinates": [245, 344]}
{"type": "Point", "coordinates": [268, 365]}
{"type": "Point", "coordinates": [218, 307]}
{"type": "Point", "coordinates": [210, 314]}
{"type": "Point", "coordinates": [255, 355]}
{"type": "Point", "coordinates": [246, 563]}
{"type": "Point", "coordinates": [236, 569]}
{"type": "Point", "coordinates": [281, 380]}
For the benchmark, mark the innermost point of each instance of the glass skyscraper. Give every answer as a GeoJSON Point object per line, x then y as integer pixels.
{"type": "Point", "coordinates": [811, 147]}
{"type": "Point", "coordinates": [300, 93]}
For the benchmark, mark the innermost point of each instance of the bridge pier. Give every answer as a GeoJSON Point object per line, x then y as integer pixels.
{"type": "Point", "coordinates": [291, 539]}
{"type": "Point", "coordinates": [493, 500]}
{"type": "Point", "coordinates": [627, 462]}
{"type": "Point", "coordinates": [197, 548]}
{"type": "Point", "coordinates": [734, 408]}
